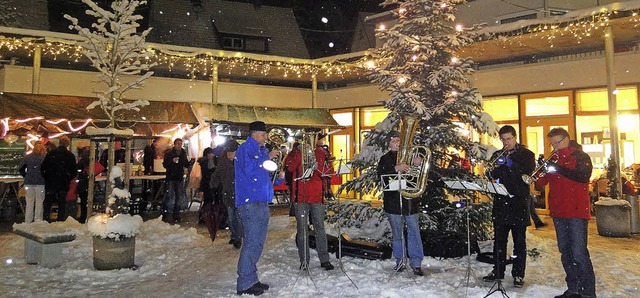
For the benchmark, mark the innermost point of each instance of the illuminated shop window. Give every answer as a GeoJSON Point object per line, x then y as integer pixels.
{"type": "Point", "coordinates": [597, 100]}
{"type": "Point", "coordinates": [344, 119]}
{"type": "Point", "coordinates": [547, 106]}
{"type": "Point", "coordinates": [503, 108]}
{"type": "Point", "coordinates": [372, 116]}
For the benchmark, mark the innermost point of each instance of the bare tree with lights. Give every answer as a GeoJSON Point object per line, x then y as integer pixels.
{"type": "Point", "coordinates": [420, 67]}
{"type": "Point", "coordinates": [118, 52]}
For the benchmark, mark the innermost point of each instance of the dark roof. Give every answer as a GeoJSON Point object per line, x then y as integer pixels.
{"type": "Point", "coordinates": [185, 24]}
{"type": "Point", "coordinates": [364, 37]}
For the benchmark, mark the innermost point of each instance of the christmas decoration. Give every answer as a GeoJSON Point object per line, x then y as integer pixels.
{"type": "Point", "coordinates": [418, 66]}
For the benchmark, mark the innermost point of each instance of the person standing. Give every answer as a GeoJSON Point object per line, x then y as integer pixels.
{"type": "Point", "coordinates": [569, 206]}
{"type": "Point", "coordinates": [208, 213]}
{"type": "Point", "coordinates": [224, 179]}
{"type": "Point", "coordinates": [150, 155]}
{"type": "Point", "coordinates": [254, 191]}
{"type": "Point", "coordinates": [175, 162]}
{"type": "Point", "coordinates": [511, 212]}
{"type": "Point", "coordinates": [33, 182]}
{"type": "Point", "coordinates": [399, 216]}
{"type": "Point", "coordinates": [308, 199]}
{"type": "Point", "coordinates": [58, 168]}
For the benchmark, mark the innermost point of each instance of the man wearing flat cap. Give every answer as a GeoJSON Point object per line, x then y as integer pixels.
{"type": "Point", "coordinates": [399, 214]}
{"type": "Point", "coordinates": [254, 191]}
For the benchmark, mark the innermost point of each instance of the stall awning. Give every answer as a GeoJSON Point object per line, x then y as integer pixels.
{"type": "Point", "coordinates": [23, 106]}
{"type": "Point", "coordinates": [289, 117]}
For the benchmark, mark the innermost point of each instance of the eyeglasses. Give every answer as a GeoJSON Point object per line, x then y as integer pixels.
{"type": "Point", "coordinates": [554, 144]}
{"type": "Point", "coordinates": [506, 139]}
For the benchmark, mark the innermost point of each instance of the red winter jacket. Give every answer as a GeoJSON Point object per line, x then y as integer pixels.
{"type": "Point", "coordinates": [309, 191]}
{"type": "Point", "coordinates": [569, 184]}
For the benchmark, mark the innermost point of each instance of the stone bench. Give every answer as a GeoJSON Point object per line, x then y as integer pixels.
{"type": "Point", "coordinates": [43, 242]}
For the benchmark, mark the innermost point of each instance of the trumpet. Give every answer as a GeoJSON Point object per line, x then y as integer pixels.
{"type": "Point", "coordinates": [491, 164]}
{"type": "Point", "coordinates": [538, 172]}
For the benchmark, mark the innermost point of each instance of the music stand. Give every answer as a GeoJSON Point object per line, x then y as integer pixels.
{"type": "Point", "coordinates": [342, 170]}
{"type": "Point", "coordinates": [399, 182]}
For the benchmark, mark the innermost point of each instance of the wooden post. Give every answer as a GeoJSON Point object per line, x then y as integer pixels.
{"type": "Point", "coordinates": [127, 163]}
{"type": "Point", "coordinates": [613, 105]}
{"type": "Point", "coordinates": [37, 62]}
{"type": "Point", "coordinates": [110, 162]}
{"type": "Point", "coordinates": [92, 176]}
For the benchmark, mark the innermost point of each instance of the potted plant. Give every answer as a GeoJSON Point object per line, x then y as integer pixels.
{"type": "Point", "coordinates": [613, 215]}
{"type": "Point", "coordinates": [114, 232]}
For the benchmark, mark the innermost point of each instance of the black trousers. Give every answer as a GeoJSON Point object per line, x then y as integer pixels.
{"type": "Point", "coordinates": [518, 233]}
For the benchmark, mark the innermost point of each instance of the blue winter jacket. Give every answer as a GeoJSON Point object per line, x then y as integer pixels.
{"type": "Point", "coordinates": [253, 182]}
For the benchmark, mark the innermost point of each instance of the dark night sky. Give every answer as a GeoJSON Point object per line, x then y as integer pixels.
{"type": "Point", "coordinates": [341, 15]}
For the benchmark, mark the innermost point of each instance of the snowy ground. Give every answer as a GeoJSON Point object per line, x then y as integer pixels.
{"type": "Point", "coordinates": [178, 262]}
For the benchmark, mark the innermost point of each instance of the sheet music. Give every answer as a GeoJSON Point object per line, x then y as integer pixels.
{"type": "Point", "coordinates": [496, 188]}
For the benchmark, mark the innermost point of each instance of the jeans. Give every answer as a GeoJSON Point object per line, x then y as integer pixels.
{"type": "Point", "coordinates": [58, 196]}
{"type": "Point", "coordinates": [172, 199]}
{"type": "Point", "coordinates": [571, 234]}
{"type": "Point", "coordinates": [317, 213]}
{"type": "Point", "coordinates": [518, 232]}
{"type": "Point", "coordinates": [416, 253]}
{"type": "Point", "coordinates": [255, 221]}
{"type": "Point", "coordinates": [34, 196]}
{"type": "Point", "coordinates": [235, 225]}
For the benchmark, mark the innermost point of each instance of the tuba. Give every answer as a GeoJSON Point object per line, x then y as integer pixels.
{"type": "Point", "coordinates": [417, 176]}
{"type": "Point", "coordinates": [275, 136]}
{"type": "Point", "coordinates": [307, 149]}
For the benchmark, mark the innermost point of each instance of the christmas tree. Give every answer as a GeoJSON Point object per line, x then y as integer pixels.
{"type": "Point", "coordinates": [421, 68]}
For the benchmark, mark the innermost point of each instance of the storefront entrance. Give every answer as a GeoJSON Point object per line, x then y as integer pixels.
{"type": "Point", "coordinates": [540, 113]}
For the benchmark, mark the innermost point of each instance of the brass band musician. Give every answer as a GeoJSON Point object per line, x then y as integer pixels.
{"type": "Point", "coordinates": [510, 213]}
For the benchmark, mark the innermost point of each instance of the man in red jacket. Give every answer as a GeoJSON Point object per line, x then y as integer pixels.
{"type": "Point", "coordinates": [568, 180]}
{"type": "Point", "coordinates": [308, 201]}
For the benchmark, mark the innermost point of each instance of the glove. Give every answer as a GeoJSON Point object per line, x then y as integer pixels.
{"type": "Point", "coordinates": [505, 161]}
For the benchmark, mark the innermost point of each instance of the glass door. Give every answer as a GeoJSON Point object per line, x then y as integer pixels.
{"type": "Point", "coordinates": [539, 113]}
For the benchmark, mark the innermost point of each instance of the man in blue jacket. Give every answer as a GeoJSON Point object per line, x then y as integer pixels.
{"type": "Point", "coordinates": [254, 191]}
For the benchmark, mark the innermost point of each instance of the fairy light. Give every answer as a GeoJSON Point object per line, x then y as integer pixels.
{"type": "Point", "coordinates": [459, 28]}
{"type": "Point", "coordinates": [75, 129]}
{"type": "Point", "coordinates": [56, 122]}
{"type": "Point", "coordinates": [28, 119]}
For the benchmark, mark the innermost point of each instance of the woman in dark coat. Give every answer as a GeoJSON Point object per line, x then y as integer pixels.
{"type": "Point", "coordinates": [208, 163]}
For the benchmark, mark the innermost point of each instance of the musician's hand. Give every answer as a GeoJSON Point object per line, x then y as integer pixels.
{"type": "Point", "coordinates": [274, 153]}
{"type": "Point", "coordinates": [416, 161]}
{"type": "Point", "coordinates": [402, 167]}
{"type": "Point", "coordinates": [281, 175]}
{"type": "Point", "coordinates": [505, 161]}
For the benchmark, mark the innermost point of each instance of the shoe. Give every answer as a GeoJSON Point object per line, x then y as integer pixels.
{"type": "Point", "coordinates": [237, 244]}
{"type": "Point", "coordinates": [263, 286]}
{"type": "Point", "coordinates": [255, 290]}
{"type": "Point", "coordinates": [518, 282]}
{"type": "Point", "coordinates": [492, 277]}
{"type": "Point", "coordinates": [177, 219]}
{"type": "Point", "coordinates": [231, 241]}
{"type": "Point", "coordinates": [540, 225]}
{"type": "Point", "coordinates": [327, 266]}
{"type": "Point", "coordinates": [568, 295]}
{"type": "Point", "coordinates": [417, 271]}
{"type": "Point", "coordinates": [398, 267]}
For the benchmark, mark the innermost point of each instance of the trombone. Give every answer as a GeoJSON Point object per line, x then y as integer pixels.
{"type": "Point", "coordinates": [538, 172]}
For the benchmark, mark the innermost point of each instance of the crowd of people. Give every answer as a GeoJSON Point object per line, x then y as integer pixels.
{"type": "Point", "coordinates": [236, 188]}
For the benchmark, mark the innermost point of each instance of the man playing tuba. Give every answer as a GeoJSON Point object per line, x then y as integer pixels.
{"type": "Point", "coordinates": [397, 216]}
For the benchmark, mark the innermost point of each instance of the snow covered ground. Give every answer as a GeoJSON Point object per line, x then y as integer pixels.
{"type": "Point", "coordinates": [181, 262]}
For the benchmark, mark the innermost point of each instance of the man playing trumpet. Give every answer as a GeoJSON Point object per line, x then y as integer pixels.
{"type": "Point", "coordinates": [510, 213]}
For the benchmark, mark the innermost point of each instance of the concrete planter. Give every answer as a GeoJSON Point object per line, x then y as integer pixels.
{"type": "Point", "coordinates": [613, 220]}
{"type": "Point", "coordinates": [109, 254]}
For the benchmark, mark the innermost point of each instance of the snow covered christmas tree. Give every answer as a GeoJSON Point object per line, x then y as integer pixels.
{"type": "Point", "coordinates": [421, 66]}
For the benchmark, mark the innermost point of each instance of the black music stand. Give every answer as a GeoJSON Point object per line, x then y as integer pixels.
{"type": "Point", "coordinates": [342, 170]}
{"type": "Point", "coordinates": [497, 286]}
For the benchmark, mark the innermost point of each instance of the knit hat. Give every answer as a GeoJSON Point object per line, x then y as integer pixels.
{"type": "Point", "coordinates": [392, 134]}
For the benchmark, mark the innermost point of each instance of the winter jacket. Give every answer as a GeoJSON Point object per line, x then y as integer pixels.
{"type": "Point", "coordinates": [513, 210]}
{"type": "Point", "coordinates": [206, 172]}
{"type": "Point", "coordinates": [30, 169]}
{"type": "Point", "coordinates": [309, 191]}
{"type": "Point", "coordinates": [391, 199]}
{"type": "Point", "coordinates": [224, 179]}
{"type": "Point", "coordinates": [253, 182]}
{"type": "Point", "coordinates": [175, 170]}
{"type": "Point", "coordinates": [148, 158]}
{"type": "Point", "coordinates": [58, 168]}
{"type": "Point", "coordinates": [569, 184]}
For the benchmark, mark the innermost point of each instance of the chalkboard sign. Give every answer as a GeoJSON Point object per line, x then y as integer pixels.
{"type": "Point", "coordinates": [11, 156]}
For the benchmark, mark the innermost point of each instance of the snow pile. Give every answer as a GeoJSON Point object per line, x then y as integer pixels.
{"type": "Point", "coordinates": [117, 227]}
{"type": "Point", "coordinates": [607, 201]}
